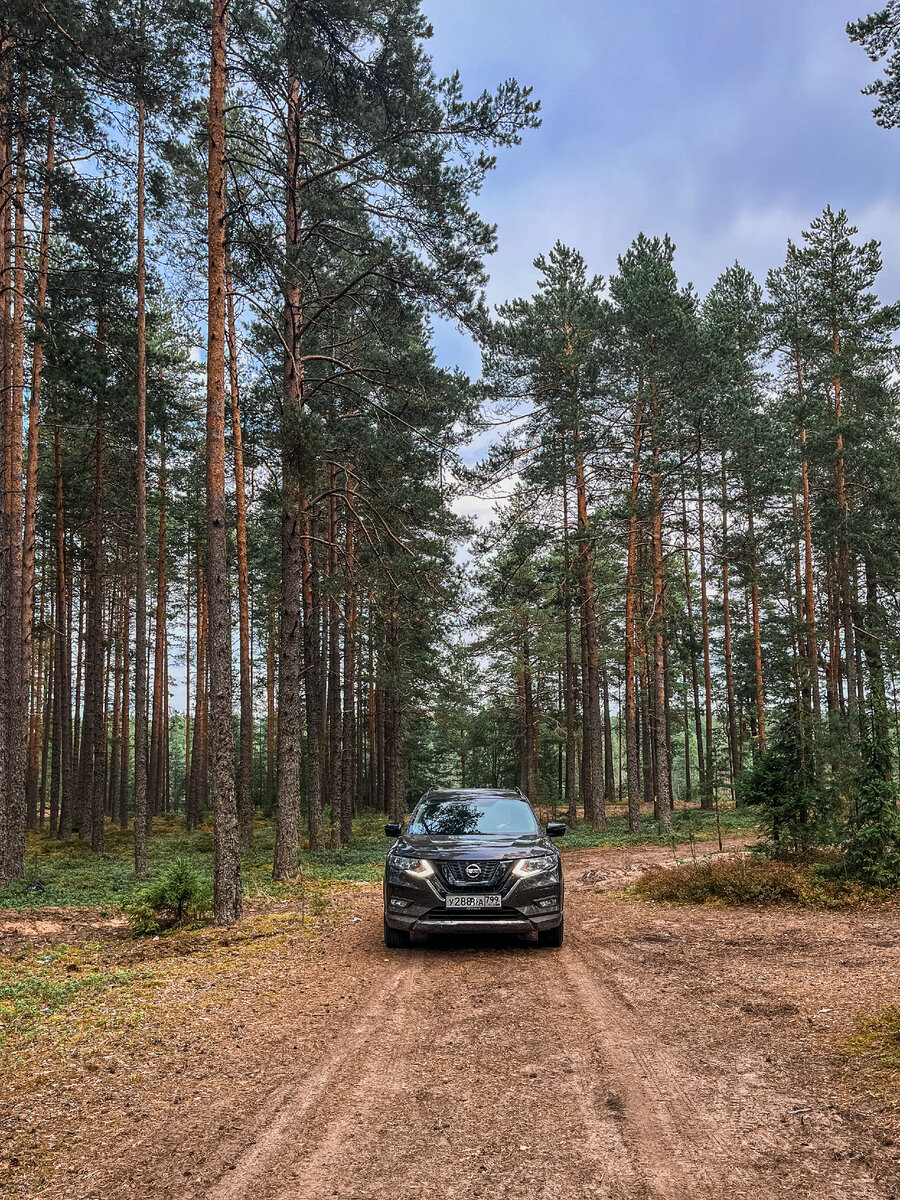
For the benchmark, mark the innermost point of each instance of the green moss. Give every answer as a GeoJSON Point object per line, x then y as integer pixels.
{"type": "Point", "coordinates": [875, 1042]}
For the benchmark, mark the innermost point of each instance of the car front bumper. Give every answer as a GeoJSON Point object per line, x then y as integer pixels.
{"type": "Point", "coordinates": [528, 906]}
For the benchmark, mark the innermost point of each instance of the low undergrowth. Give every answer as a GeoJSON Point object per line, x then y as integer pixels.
{"type": "Point", "coordinates": [27, 1000]}
{"type": "Point", "coordinates": [69, 873]}
{"type": "Point", "coordinates": [62, 874]}
{"type": "Point", "coordinates": [753, 880]}
{"type": "Point", "coordinates": [687, 823]}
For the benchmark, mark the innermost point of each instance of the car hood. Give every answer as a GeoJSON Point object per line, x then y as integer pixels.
{"type": "Point", "coordinates": [493, 847]}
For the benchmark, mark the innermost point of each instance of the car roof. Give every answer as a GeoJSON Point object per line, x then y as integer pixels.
{"type": "Point", "coordinates": [450, 794]}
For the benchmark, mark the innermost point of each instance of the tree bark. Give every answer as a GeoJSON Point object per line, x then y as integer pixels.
{"type": "Point", "coordinates": [661, 725]}
{"type": "Point", "coordinates": [245, 751]}
{"type": "Point", "coordinates": [226, 847]}
{"type": "Point", "coordinates": [594, 804]}
{"type": "Point", "coordinates": [710, 785]}
{"type": "Point", "coordinates": [726, 616]}
{"type": "Point", "coordinates": [140, 590]}
{"type": "Point", "coordinates": [632, 766]}
{"type": "Point", "coordinates": [13, 865]}
{"type": "Point", "coordinates": [287, 826]}
{"type": "Point", "coordinates": [569, 682]}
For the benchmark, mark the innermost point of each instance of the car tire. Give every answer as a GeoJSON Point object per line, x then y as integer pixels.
{"type": "Point", "coordinates": [553, 938]}
{"type": "Point", "coordinates": [396, 939]}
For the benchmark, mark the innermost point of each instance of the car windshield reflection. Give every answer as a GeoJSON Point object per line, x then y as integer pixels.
{"type": "Point", "coordinates": [461, 818]}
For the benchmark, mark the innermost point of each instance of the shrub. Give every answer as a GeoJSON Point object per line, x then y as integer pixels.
{"type": "Point", "coordinates": [180, 894]}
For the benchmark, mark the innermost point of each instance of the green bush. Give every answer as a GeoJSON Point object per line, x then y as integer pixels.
{"type": "Point", "coordinates": [180, 894]}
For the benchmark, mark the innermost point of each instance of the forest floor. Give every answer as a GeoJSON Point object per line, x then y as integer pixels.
{"type": "Point", "coordinates": [666, 1052]}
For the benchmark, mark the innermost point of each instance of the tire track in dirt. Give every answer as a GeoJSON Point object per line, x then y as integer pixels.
{"type": "Point", "coordinates": [354, 1105]}
{"type": "Point", "coordinates": [468, 1088]}
{"type": "Point", "coordinates": [676, 1142]}
{"type": "Point", "coordinates": [277, 1125]}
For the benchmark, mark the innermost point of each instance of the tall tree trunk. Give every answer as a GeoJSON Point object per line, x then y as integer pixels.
{"type": "Point", "coordinates": [13, 865]}
{"type": "Point", "coordinates": [844, 566]}
{"type": "Point", "coordinates": [569, 673]}
{"type": "Point", "coordinates": [125, 759]}
{"type": "Point", "coordinates": [708, 796]}
{"type": "Point", "coordinates": [226, 855]}
{"type": "Point", "coordinates": [692, 647]}
{"type": "Point", "coordinates": [632, 767]}
{"type": "Point", "coordinates": [287, 828]}
{"type": "Point", "coordinates": [661, 725]}
{"type": "Point", "coordinates": [333, 701]}
{"type": "Point", "coordinates": [187, 689]}
{"type": "Point", "coordinates": [6, 290]}
{"type": "Point", "coordinates": [156, 772]}
{"type": "Point", "coordinates": [34, 409]}
{"type": "Point", "coordinates": [196, 787]}
{"type": "Point", "coordinates": [96, 776]}
{"type": "Point", "coordinates": [36, 724]}
{"type": "Point", "coordinates": [348, 732]}
{"type": "Point", "coordinates": [594, 804]}
{"type": "Point", "coordinates": [812, 648]}
{"type": "Point", "coordinates": [270, 711]}
{"type": "Point", "coordinates": [726, 617]}
{"type": "Point", "coordinates": [245, 751]}
{"type": "Point", "coordinates": [140, 591]}
{"type": "Point", "coordinates": [757, 638]}
{"type": "Point", "coordinates": [115, 752]}
{"type": "Point", "coordinates": [312, 670]}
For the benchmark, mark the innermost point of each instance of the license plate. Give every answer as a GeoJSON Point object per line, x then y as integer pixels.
{"type": "Point", "coordinates": [473, 901]}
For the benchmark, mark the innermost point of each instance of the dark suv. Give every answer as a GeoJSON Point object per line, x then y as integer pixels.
{"type": "Point", "coordinates": [473, 859]}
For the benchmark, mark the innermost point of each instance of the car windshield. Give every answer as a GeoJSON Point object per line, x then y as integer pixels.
{"type": "Point", "coordinates": [473, 815]}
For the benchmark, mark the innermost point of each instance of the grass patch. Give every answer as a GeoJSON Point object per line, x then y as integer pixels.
{"type": "Point", "coordinates": [752, 880]}
{"type": "Point", "coordinates": [687, 823]}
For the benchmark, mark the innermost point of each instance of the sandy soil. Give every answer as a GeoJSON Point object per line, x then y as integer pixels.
{"type": "Point", "coordinates": [664, 1052]}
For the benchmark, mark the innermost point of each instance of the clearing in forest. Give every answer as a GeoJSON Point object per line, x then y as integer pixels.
{"type": "Point", "coordinates": [666, 1051]}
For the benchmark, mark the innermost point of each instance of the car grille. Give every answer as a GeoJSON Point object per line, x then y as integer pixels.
{"type": "Point", "coordinates": [449, 915]}
{"type": "Point", "coordinates": [455, 874]}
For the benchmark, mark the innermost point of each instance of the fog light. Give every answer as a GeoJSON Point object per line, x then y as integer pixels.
{"type": "Point", "coordinates": [397, 903]}
{"type": "Point", "coordinates": [550, 902]}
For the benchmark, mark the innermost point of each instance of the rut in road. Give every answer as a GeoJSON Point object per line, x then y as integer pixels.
{"type": "Point", "coordinates": [277, 1125]}
{"type": "Point", "coordinates": [680, 1138]}
{"type": "Point", "coordinates": [661, 1054]}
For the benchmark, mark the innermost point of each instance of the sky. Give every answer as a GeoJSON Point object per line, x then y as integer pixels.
{"type": "Point", "coordinates": [726, 125]}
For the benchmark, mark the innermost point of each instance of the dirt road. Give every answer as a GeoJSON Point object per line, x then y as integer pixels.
{"type": "Point", "coordinates": [664, 1053]}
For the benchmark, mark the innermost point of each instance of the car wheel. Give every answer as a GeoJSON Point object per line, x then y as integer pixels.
{"type": "Point", "coordinates": [396, 939]}
{"type": "Point", "coordinates": [551, 937]}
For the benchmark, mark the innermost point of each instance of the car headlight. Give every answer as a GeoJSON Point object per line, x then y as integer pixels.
{"type": "Point", "coordinates": [419, 868]}
{"type": "Point", "coordinates": [525, 868]}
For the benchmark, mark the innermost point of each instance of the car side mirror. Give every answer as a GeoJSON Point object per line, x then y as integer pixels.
{"type": "Point", "coordinates": [392, 829]}
{"type": "Point", "coordinates": [556, 829]}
